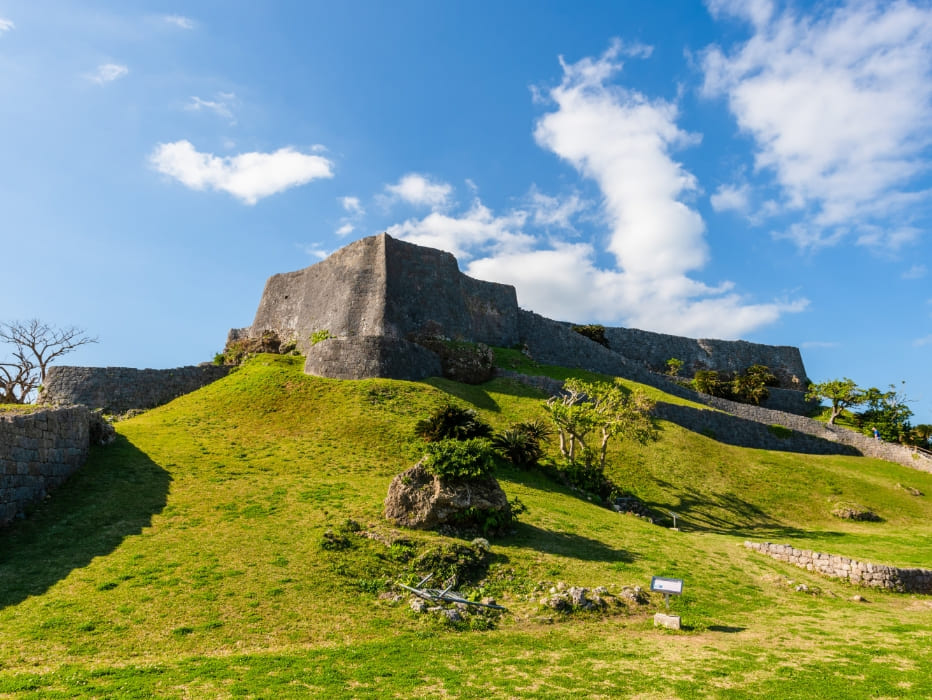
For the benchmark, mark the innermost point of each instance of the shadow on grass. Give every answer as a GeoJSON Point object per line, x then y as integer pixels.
{"type": "Point", "coordinates": [471, 393]}
{"type": "Point", "coordinates": [566, 544]}
{"type": "Point", "coordinates": [114, 495]}
{"type": "Point", "coordinates": [730, 429]}
{"type": "Point", "coordinates": [723, 513]}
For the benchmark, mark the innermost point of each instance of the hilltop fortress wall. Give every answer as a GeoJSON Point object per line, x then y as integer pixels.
{"type": "Point", "coordinates": [382, 299]}
{"type": "Point", "coordinates": [378, 295]}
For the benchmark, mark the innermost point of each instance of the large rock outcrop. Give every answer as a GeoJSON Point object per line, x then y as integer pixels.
{"type": "Point", "coordinates": [419, 500]}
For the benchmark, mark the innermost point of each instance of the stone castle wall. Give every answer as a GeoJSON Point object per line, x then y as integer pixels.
{"type": "Point", "coordinates": [654, 349]}
{"type": "Point", "coordinates": [860, 573]}
{"type": "Point", "coordinates": [380, 286]}
{"type": "Point", "coordinates": [38, 452]}
{"type": "Point", "coordinates": [120, 389]}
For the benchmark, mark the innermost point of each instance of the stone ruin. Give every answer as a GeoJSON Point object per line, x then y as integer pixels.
{"type": "Point", "coordinates": [388, 303]}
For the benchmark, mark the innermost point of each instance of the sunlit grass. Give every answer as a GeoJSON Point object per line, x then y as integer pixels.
{"type": "Point", "coordinates": [185, 560]}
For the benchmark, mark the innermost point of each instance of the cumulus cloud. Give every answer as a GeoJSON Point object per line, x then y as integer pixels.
{"type": "Point", "coordinates": [6, 25]}
{"type": "Point", "coordinates": [354, 214]}
{"type": "Point", "coordinates": [249, 176]}
{"type": "Point", "coordinates": [107, 73]}
{"type": "Point", "coordinates": [916, 272]}
{"type": "Point", "coordinates": [624, 142]}
{"type": "Point", "coordinates": [465, 234]}
{"type": "Point", "coordinates": [555, 212]}
{"type": "Point", "coordinates": [352, 205]}
{"type": "Point", "coordinates": [731, 197]}
{"type": "Point", "coordinates": [838, 106]}
{"type": "Point", "coordinates": [179, 21]}
{"type": "Point", "coordinates": [419, 190]}
{"type": "Point", "coordinates": [222, 105]}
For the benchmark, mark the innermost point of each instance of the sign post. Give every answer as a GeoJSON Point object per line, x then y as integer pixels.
{"type": "Point", "coordinates": [667, 586]}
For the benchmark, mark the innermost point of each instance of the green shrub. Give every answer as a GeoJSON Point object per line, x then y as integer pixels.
{"type": "Point", "coordinates": [594, 332]}
{"type": "Point", "coordinates": [751, 385]}
{"type": "Point", "coordinates": [452, 423]}
{"type": "Point", "coordinates": [674, 365]}
{"type": "Point", "coordinates": [708, 381]}
{"type": "Point", "coordinates": [460, 459]}
{"type": "Point", "coordinates": [320, 336]}
{"type": "Point", "coordinates": [520, 444]}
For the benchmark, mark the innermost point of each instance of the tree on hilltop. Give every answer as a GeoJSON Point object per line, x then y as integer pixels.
{"type": "Point", "coordinates": [842, 393]}
{"type": "Point", "coordinates": [35, 346]}
{"type": "Point", "coordinates": [585, 407]}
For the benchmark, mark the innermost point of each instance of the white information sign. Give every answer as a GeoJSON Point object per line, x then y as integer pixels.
{"type": "Point", "coordinates": [668, 586]}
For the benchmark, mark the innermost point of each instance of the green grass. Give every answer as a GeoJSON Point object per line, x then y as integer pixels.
{"type": "Point", "coordinates": [186, 560]}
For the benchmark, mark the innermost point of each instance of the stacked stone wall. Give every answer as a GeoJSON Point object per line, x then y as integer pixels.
{"type": "Point", "coordinates": [756, 427]}
{"type": "Point", "coordinates": [371, 356]}
{"type": "Point", "coordinates": [38, 452]}
{"type": "Point", "coordinates": [654, 349]}
{"type": "Point", "coordinates": [890, 578]}
{"type": "Point", "coordinates": [120, 389]}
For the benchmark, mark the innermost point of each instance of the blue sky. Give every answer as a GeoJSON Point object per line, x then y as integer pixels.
{"type": "Point", "coordinates": [724, 169]}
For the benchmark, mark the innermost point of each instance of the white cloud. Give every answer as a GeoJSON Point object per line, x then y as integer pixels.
{"type": "Point", "coordinates": [179, 21]}
{"type": "Point", "coordinates": [352, 205]}
{"type": "Point", "coordinates": [317, 251]}
{"type": "Point", "coordinates": [758, 12]}
{"type": "Point", "coordinates": [731, 197]}
{"type": "Point", "coordinates": [248, 176]}
{"type": "Point", "coordinates": [419, 190]}
{"type": "Point", "coordinates": [916, 272]}
{"type": "Point", "coordinates": [922, 342]}
{"type": "Point", "coordinates": [6, 25]}
{"type": "Point", "coordinates": [477, 229]}
{"type": "Point", "coordinates": [838, 106]}
{"type": "Point", "coordinates": [622, 141]}
{"type": "Point", "coordinates": [355, 214]}
{"type": "Point", "coordinates": [554, 212]}
{"type": "Point", "coordinates": [222, 106]}
{"type": "Point", "coordinates": [107, 73]}
{"type": "Point", "coordinates": [565, 283]}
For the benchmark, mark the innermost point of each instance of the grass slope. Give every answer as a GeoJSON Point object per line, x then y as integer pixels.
{"type": "Point", "coordinates": [185, 560]}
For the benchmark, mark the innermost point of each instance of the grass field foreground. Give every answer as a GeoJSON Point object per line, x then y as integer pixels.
{"type": "Point", "coordinates": [190, 559]}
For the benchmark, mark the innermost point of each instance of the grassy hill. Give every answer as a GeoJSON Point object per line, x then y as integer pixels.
{"type": "Point", "coordinates": [192, 559]}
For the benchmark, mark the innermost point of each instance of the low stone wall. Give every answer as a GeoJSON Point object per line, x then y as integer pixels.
{"type": "Point", "coordinates": [861, 573]}
{"type": "Point", "coordinates": [362, 357]}
{"type": "Point", "coordinates": [38, 452]}
{"type": "Point", "coordinates": [119, 389]}
{"type": "Point", "coordinates": [757, 427]}
{"type": "Point", "coordinates": [861, 444]}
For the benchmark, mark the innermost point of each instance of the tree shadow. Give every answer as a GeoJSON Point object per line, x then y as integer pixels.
{"type": "Point", "coordinates": [566, 544]}
{"type": "Point", "coordinates": [696, 511]}
{"type": "Point", "coordinates": [113, 496]}
{"type": "Point", "coordinates": [470, 393]}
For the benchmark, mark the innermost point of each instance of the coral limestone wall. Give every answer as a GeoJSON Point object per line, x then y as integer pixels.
{"type": "Point", "coordinates": [860, 573]}
{"type": "Point", "coordinates": [382, 287]}
{"type": "Point", "coordinates": [119, 389]}
{"type": "Point", "coordinates": [38, 452]}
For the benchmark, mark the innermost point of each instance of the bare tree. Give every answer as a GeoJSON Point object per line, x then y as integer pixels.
{"type": "Point", "coordinates": [35, 346]}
